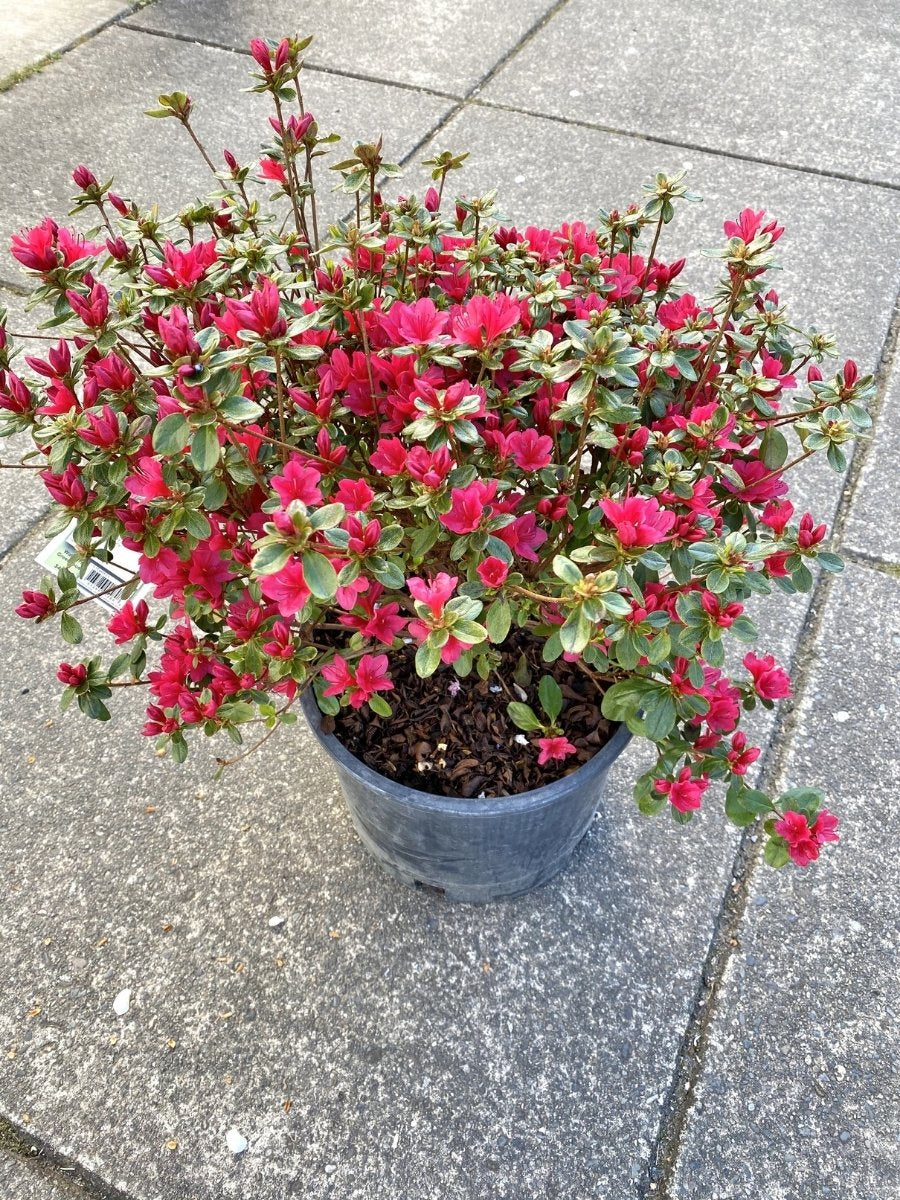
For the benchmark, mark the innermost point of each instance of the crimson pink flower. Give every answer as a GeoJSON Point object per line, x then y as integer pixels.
{"type": "Point", "coordinates": [354, 494]}
{"type": "Point", "coordinates": [183, 268]}
{"type": "Point", "coordinates": [147, 482]}
{"type": "Point", "coordinates": [523, 536]}
{"type": "Point", "coordinates": [469, 506]}
{"type": "Point", "coordinates": [776, 515]}
{"type": "Point", "coordinates": [482, 320]}
{"type": "Point", "coordinates": [530, 450]}
{"type": "Point", "coordinates": [492, 572]}
{"type": "Point", "coordinates": [270, 168]}
{"type": "Point", "coordinates": [260, 312]}
{"type": "Point", "coordinates": [638, 521]}
{"type": "Point", "coordinates": [370, 676]}
{"type": "Point", "coordinates": [35, 248]}
{"type": "Point", "coordinates": [749, 224]}
{"type": "Point", "coordinates": [684, 792]}
{"type": "Point", "coordinates": [297, 481]}
{"type": "Point", "coordinates": [770, 681]}
{"type": "Point", "coordinates": [389, 457]}
{"type": "Point", "coordinates": [759, 483]}
{"type": "Point", "coordinates": [429, 467]}
{"type": "Point", "coordinates": [415, 324]}
{"type": "Point", "coordinates": [129, 621]}
{"type": "Point", "coordinates": [804, 840]}
{"type": "Point", "coordinates": [287, 588]}
{"type": "Point", "coordinates": [281, 644]}
{"type": "Point", "coordinates": [555, 749]}
{"type": "Point", "coordinates": [435, 593]}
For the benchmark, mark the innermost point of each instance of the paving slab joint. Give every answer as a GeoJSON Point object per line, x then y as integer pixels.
{"type": "Point", "coordinates": [14, 77]}
{"type": "Point", "coordinates": [36, 1155]}
{"type": "Point", "coordinates": [691, 1056]}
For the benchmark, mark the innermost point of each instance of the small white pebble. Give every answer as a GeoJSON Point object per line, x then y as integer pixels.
{"type": "Point", "coordinates": [494, 688]}
{"type": "Point", "coordinates": [122, 1002]}
{"type": "Point", "coordinates": [274, 922]}
{"type": "Point", "coordinates": [521, 739]}
{"type": "Point", "coordinates": [841, 716]}
{"type": "Point", "coordinates": [237, 1143]}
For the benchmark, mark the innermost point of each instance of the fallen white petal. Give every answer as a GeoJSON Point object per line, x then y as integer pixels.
{"type": "Point", "coordinates": [237, 1143]}
{"type": "Point", "coordinates": [122, 1002]}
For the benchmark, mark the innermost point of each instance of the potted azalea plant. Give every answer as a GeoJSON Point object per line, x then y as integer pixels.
{"type": "Point", "coordinates": [481, 501]}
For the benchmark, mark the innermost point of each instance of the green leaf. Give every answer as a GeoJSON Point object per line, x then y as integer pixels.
{"type": "Point", "coordinates": [171, 435]}
{"type": "Point", "coordinates": [806, 800]}
{"type": "Point", "coordinates": [205, 448]}
{"type": "Point", "coordinates": [239, 408]}
{"type": "Point", "coordinates": [743, 805]}
{"type": "Point", "coordinates": [196, 524]}
{"type": "Point", "coordinates": [327, 517]}
{"type": "Point", "coordinates": [497, 620]}
{"type": "Point", "coordinates": [566, 570]}
{"type": "Point", "coordinates": [379, 705]}
{"type": "Point", "coordinates": [71, 629]}
{"type": "Point", "coordinates": [575, 632]}
{"type": "Point", "coordinates": [776, 852]}
{"type": "Point", "coordinates": [623, 699]}
{"type": "Point", "coordinates": [428, 659]}
{"type": "Point", "coordinates": [523, 716]}
{"type": "Point", "coordinates": [658, 718]}
{"type": "Point", "coordinates": [773, 448]}
{"type": "Point", "coordinates": [271, 558]}
{"type": "Point", "coordinates": [320, 575]}
{"type": "Point", "coordinates": [550, 696]}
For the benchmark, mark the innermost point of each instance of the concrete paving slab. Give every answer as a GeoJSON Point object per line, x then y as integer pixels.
{"type": "Point", "coordinates": [809, 83]}
{"type": "Point", "coordinates": [801, 1095]}
{"type": "Point", "coordinates": [873, 527]}
{"type": "Point", "coordinates": [23, 498]}
{"type": "Point", "coordinates": [379, 1042]}
{"type": "Point", "coordinates": [24, 1179]}
{"type": "Point", "coordinates": [449, 45]}
{"type": "Point", "coordinates": [33, 29]}
{"type": "Point", "coordinates": [89, 108]}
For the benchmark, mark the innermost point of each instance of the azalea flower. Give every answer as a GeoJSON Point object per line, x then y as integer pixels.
{"type": "Point", "coordinates": [770, 682]}
{"type": "Point", "coordinates": [804, 840]}
{"type": "Point", "coordinates": [638, 521]}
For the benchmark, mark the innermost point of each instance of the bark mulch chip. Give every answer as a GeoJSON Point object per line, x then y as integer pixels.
{"type": "Point", "coordinates": [453, 737]}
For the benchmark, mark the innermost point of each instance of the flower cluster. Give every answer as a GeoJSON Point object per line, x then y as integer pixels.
{"type": "Point", "coordinates": [422, 426]}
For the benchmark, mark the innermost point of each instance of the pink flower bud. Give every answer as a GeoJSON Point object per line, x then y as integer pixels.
{"type": "Point", "coordinates": [35, 605]}
{"type": "Point", "coordinates": [432, 202]}
{"type": "Point", "coordinates": [262, 54]}
{"type": "Point", "coordinates": [72, 676]}
{"type": "Point", "coordinates": [84, 178]}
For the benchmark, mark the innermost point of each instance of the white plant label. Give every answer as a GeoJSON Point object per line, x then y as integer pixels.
{"type": "Point", "coordinates": [99, 576]}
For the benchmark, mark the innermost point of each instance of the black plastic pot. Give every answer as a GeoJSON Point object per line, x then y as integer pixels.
{"type": "Point", "coordinates": [472, 850]}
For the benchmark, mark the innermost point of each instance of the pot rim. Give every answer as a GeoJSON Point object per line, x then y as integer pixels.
{"type": "Point", "coordinates": [520, 802]}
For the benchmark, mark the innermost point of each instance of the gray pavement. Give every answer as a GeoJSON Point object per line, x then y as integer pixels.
{"type": "Point", "coordinates": [665, 1019]}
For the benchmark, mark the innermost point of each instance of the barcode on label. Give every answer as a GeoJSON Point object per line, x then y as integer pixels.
{"type": "Point", "coordinates": [97, 578]}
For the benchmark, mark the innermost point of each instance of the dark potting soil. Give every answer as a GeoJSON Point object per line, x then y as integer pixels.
{"type": "Point", "coordinates": [453, 737]}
